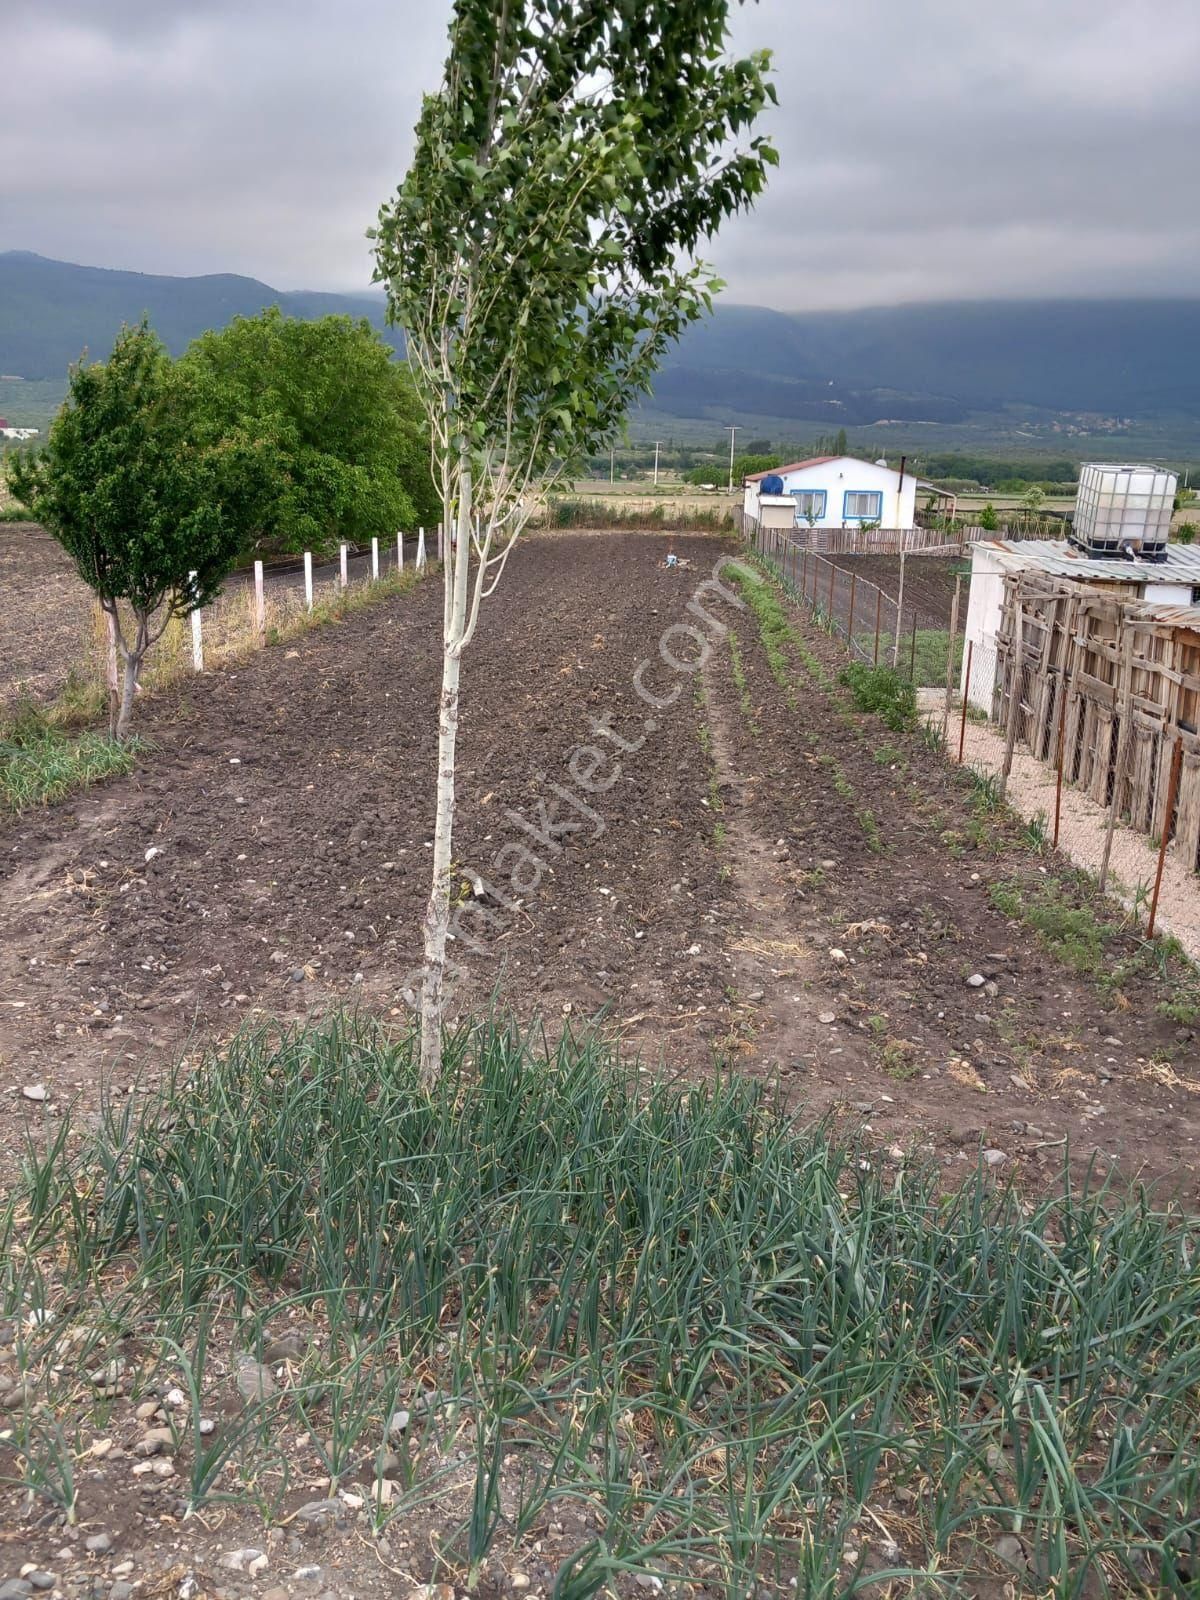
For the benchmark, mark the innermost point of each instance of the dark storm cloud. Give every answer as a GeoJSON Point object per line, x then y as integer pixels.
{"type": "Point", "coordinates": [930, 150]}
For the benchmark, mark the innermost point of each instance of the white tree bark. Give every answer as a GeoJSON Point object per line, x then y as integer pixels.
{"type": "Point", "coordinates": [455, 636]}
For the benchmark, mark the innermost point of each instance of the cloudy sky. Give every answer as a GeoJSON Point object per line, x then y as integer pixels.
{"type": "Point", "coordinates": [929, 150]}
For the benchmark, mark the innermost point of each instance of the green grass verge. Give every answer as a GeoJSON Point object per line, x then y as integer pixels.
{"type": "Point", "coordinates": [736, 1352]}
{"type": "Point", "coordinates": [39, 763]}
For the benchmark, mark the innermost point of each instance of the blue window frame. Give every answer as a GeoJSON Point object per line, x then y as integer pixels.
{"type": "Point", "coordinates": [862, 505]}
{"type": "Point", "coordinates": [809, 503]}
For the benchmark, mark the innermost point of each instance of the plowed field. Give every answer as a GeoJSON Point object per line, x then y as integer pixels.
{"type": "Point", "coordinates": [705, 857]}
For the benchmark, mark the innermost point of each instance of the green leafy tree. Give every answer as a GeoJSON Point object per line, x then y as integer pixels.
{"type": "Point", "coordinates": [340, 437]}
{"type": "Point", "coordinates": [540, 257]}
{"type": "Point", "coordinates": [989, 521]}
{"type": "Point", "coordinates": [143, 497]}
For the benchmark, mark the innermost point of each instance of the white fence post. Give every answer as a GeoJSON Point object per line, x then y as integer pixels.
{"type": "Point", "coordinates": [420, 547]}
{"type": "Point", "coordinates": [260, 602]}
{"type": "Point", "coordinates": [375, 560]}
{"type": "Point", "coordinates": [197, 637]}
{"type": "Point", "coordinates": [308, 578]}
{"type": "Point", "coordinates": [400, 551]}
{"type": "Point", "coordinates": [345, 570]}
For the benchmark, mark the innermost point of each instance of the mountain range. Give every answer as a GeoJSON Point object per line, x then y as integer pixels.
{"type": "Point", "coordinates": [940, 364]}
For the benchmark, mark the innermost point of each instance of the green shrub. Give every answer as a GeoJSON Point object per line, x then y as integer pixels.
{"type": "Point", "coordinates": [884, 691]}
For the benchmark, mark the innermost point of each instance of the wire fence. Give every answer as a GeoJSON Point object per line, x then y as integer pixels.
{"type": "Point", "coordinates": [899, 630]}
{"type": "Point", "coordinates": [263, 605]}
{"type": "Point", "coordinates": [1103, 695]}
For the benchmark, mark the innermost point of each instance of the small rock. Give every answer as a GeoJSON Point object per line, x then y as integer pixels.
{"type": "Point", "coordinates": [648, 1580]}
{"type": "Point", "coordinates": [175, 1397]}
{"type": "Point", "coordinates": [1010, 1550]}
{"type": "Point", "coordinates": [146, 1410]}
{"type": "Point", "coordinates": [519, 1580]}
{"type": "Point", "coordinates": [15, 1589]}
{"type": "Point", "coordinates": [154, 850]}
{"type": "Point", "coordinates": [276, 1593]}
{"type": "Point", "coordinates": [35, 1091]}
{"type": "Point", "coordinates": [994, 1158]}
{"type": "Point", "coordinates": [248, 1560]}
{"type": "Point", "coordinates": [865, 1106]}
{"type": "Point", "coordinates": [756, 995]}
{"type": "Point", "coordinates": [837, 956]}
{"type": "Point", "coordinates": [319, 1511]}
{"type": "Point", "coordinates": [207, 1426]}
{"type": "Point", "coordinates": [99, 1544]}
{"type": "Point", "coordinates": [289, 1346]}
{"type": "Point", "coordinates": [827, 1016]}
{"type": "Point", "coordinates": [108, 1376]}
{"type": "Point", "coordinates": [976, 980]}
{"type": "Point", "coordinates": [42, 1580]}
{"type": "Point", "coordinates": [307, 1574]}
{"type": "Point", "coordinates": [120, 1590]}
{"type": "Point", "coordinates": [389, 1464]}
{"type": "Point", "coordinates": [189, 1586]}
{"type": "Point", "coordinates": [297, 975]}
{"type": "Point", "coordinates": [398, 1423]}
{"type": "Point", "coordinates": [154, 1442]}
{"type": "Point", "coordinates": [253, 1380]}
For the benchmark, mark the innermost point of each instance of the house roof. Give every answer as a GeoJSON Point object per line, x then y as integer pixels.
{"type": "Point", "coordinates": [792, 466]}
{"type": "Point", "coordinates": [1056, 556]}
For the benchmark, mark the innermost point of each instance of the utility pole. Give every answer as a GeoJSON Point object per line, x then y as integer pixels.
{"type": "Point", "coordinates": [612, 468]}
{"type": "Point", "coordinates": [732, 438]}
{"type": "Point", "coordinates": [657, 442]}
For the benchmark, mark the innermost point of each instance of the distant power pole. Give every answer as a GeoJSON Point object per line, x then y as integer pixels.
{"type": "Point", "coordinates": [657, 442]}
{"type": "Point", "coordinates": [732, 437]}
{"type": "Point", "coordinates": [612, 465]}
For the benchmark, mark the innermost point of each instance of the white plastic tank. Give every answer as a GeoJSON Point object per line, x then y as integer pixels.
{"type": "Point", "coordinates": [1123, 510]}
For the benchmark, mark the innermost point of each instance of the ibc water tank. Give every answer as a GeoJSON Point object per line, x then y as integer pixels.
{"type": "Point", "coordinates": [1123, 511]}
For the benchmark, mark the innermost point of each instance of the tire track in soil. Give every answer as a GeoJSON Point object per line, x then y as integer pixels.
{"type": "Point", "coordinates": [1020, 1066]}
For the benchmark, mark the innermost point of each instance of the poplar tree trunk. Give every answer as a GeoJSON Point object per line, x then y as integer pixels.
{"type": "Point", "coordinates": [437, 912]}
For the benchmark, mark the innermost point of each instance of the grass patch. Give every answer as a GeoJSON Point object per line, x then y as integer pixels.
{"type": "Point", "coordinates": [1086, 932]}
{"type": "Point", "coordinates": [883, 691]}
{"type": "Point", "coordinates": [39, 763]}
{"type": "Point", "coordinates": [721, 1342]}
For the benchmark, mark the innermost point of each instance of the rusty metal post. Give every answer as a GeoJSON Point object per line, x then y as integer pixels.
{"type": "Point", "coordinates": [850, 624]}
{"type": "Point", "coordinates": [962, 726]}
{"type": "Point", "coordinates": [878, 609]}
{"type": "Point", "coordinates": [1168, 822]}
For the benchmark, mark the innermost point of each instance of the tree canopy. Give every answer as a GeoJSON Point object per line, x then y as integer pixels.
{"type": "Point", "coordinates": [340, 438]}
{"type": "Point", "coordinates": [147, 501]}
{"type": "Point", "coordinates": [539, 256]}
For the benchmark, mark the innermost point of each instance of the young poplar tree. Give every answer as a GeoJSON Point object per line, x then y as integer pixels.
{"type": "Point", "coordinates": [540, 257]}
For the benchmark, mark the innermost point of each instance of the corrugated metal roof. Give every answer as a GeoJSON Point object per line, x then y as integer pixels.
{"type": "Point", "coordinates": [1182, 564]}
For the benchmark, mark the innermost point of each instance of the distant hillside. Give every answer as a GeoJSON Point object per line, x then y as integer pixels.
{"type": "Point", "coordinates": [50, 311]}
{"type": "Point", "coordinates": [927, 364]}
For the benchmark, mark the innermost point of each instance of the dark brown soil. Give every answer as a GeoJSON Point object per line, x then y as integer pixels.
{"type": "Point", "coordinates": [45, 613]}
{"type": "Point", "coordinates": [863, 877]}
{"type": "Point", "coordinates": [755, 871]}
{"type": "Point", "coordinates": [928, 582]}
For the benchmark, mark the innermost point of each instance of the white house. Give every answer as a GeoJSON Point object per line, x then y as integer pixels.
{"type": "Point", "coordinates": [1173, 581]}
{"type": "Point", "coordinates": [836, 492]}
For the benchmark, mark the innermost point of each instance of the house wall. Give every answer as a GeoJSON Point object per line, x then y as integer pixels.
{"type": "Point", "coordinates": [845, 474]}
